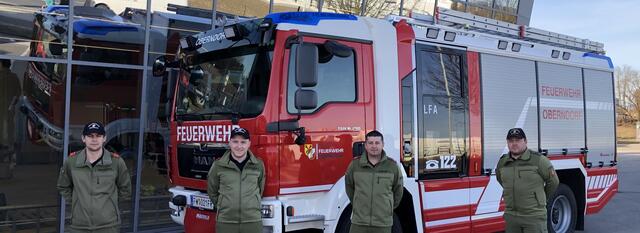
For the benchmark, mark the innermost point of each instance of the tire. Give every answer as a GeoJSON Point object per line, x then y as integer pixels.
{"type": "Point", "coordinates": [344, 223]}
{"type": "Point", "coordinates": [397, 227]}
{"type": "Point", "coordinates": [562, 211]}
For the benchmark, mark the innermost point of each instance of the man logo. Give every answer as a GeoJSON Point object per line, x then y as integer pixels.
{"type": "Point", "coordinates": [433, 164]}
{"type": "Point", "coordinates": [94, 126]}
{"type": "Point", "coordinates": [310, 151]}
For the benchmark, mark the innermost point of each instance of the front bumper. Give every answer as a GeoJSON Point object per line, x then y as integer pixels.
{"type": "Point", "coordinates": [196, 215]}
{"type": "Point", "coordinates": [51, 135]}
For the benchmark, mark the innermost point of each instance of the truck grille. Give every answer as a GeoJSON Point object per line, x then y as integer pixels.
{"type": "Point", "coordinates": [195, 160]}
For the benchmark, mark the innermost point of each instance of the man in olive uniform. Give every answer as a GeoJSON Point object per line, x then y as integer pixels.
{"type": "Point", "coordinates": [528, 180]}
{"type": "Point", "coordinates": [374, 186]}
{"type": "Point", "coordinates": [235, 186]}
{"type": "Point", "coordinates": [93, 180]}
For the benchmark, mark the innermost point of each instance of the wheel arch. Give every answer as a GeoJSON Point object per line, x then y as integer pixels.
{"type": "Point", "coordinates": [575, 179]}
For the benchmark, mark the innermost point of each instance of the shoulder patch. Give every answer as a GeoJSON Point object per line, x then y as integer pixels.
{"type": "Point", "coordinates": [356, 158]}
{"type": "Point", "coordinates": [115, 155]}
{"type": "Point", "coordinates": [73, 154]}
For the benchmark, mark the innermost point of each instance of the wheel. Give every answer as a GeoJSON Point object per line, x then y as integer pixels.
{"type": "Point", "coordinates": [344, 223]}
{"type": "Point", "coordinates": [396, 228]}
{"type": "Point", "coordinates": [562, 211]}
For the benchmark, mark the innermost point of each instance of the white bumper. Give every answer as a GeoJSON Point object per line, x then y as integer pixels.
{"type": "Point", "coordinates": [270, 225]}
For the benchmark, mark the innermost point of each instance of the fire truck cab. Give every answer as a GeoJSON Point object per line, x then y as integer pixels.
{"type": "Point", "coordinates": [310, 85]}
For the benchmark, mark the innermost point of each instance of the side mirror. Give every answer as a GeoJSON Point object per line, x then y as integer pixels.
{"type": "Point", "coordinates": [196, 74]}
{"type": "Point", "coordinates": [160, 66]}
{"type": "Point", "coordinates": [55, 48]}
{"type": "Point", "coordinates": [358, 149]}
{"type": "Point", "coordinates": [307, 65]}
{"type": "Point", "coordinates": [306, 99]}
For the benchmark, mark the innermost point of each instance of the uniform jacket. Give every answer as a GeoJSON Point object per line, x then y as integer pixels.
{"type": "Point", "coordinates": [374, 191]}
{"type": "Point", "coordinates": [236, 194]}
{"type": "Point", "coordinates": [94, 192]}
{"type": "Point", "coordinates": [527, 182]}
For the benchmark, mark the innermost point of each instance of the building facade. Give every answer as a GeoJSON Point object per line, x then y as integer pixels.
{"type": "Point", "coordinates": [61, 67]}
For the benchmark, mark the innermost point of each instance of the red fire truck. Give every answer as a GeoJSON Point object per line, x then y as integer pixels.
{"type": "Point", "coordinates": [99, 36]}
{"type": "Point", "coordinates": [442, 90]}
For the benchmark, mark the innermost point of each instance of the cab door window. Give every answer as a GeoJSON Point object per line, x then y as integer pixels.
{"type": "Point", "coordinates": [336, 79]}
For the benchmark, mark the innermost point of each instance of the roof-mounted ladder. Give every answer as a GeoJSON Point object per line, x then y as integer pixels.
{"type": "Point", "coordinates": [448, 17]}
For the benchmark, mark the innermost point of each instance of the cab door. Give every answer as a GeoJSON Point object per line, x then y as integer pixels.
{"type": "Point", "coordinates": [337, 121]}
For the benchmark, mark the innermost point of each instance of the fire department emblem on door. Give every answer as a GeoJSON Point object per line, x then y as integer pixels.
{"type": "Point", "coordinates": [310, 151]}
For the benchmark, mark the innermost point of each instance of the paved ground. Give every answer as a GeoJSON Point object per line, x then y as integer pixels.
{"type": "Point", "coordinates": [621, 215]}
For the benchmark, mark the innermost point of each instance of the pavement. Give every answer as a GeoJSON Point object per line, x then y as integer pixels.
{"type": "Point", "coordinates": [628, 146]}
{"type": "Point", "coordinates": [621, 214]}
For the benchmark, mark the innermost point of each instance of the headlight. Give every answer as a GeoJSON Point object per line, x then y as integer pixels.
{"type": "Point", "coordinates": [267, 211]}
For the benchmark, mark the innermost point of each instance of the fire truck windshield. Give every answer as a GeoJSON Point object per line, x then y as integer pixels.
{"type": "Point", "coordinates": [223, 84]}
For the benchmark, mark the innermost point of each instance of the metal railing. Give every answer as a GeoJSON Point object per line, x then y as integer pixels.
{"type": "Point", "coordinates": [44, 218]}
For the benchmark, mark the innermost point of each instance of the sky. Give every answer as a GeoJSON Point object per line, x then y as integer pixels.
{"type": "Point", "coordinates": [616, 23]}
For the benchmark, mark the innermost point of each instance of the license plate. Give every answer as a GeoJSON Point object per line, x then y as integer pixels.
{"type": "Point", "coordinates": [201, 202]}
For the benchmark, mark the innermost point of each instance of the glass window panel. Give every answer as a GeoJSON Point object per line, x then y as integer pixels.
{"type": "Point", "coordinates": [154, 188]}
{"type": "Point", "coordinates": [30, 28]}
{"type": "Point", "coordinates": [443, 114]}
{"type": "Point", "coordinates": [458, 6]}
{"type": "Point", "coordinates": [167, 28]}
{"type": "Point", "coordinates": [30, 147]}
{"type": "Point", "coordinates": [482, 3]}
{"type": "Point", "coordinates": [440, 74]}
{"type": "Point", "coordinates": [109, 31]}
{"type": "Point", "coordinates": [343, 6]}
{"type": "Point", "coordinates": [505, 17]}
{"type": "Point", "coordinates": [295, 5]}
{"type": "Point", "coordinates": [443, 138]}
{"type": "Point", "coordinates": [479, 11]}
{"type": "Point", "coordinates": [509, 6]}
{"type": "Point", "coordinates": [93, 99]}
{"type": "Point", "coordinates": [408, 123]}
{"type": "Point", "coordinates": [428, 6]}
{"type": "Point", "coordinates": [381, 8]}
{"type": "Point", "coordinates": [420, 6]}
{"type": "Point", "coordinates": [336, 80]}
{"type": "Point", "coordinates": [248, 8]}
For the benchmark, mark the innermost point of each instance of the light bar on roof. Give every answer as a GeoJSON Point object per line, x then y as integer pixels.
{"type": "Point", "coordinates": [432, 33]}
{"type": "Point", "coordinates": [449, 36]}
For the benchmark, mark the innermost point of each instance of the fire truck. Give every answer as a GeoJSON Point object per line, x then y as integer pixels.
{"type": "Point", "coordinates": [100, 36]}
{"type": "Point", "coordinates": [443, 90]}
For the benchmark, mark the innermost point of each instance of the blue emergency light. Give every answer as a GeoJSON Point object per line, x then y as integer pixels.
{"type": "Point", "coordinates": [53, 8]}
{"type": "Point", "coordinates": [599, 56]}
{"type": "Point", "coordinates": [307, 18]}
{"type": "Point", "coordinates": [95, 27]}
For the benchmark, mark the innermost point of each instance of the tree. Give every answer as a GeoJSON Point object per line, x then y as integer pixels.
{"type": "Point", "coordinates": [372, 8]}
{"type": "Point", "coordinates": [627, 82]}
